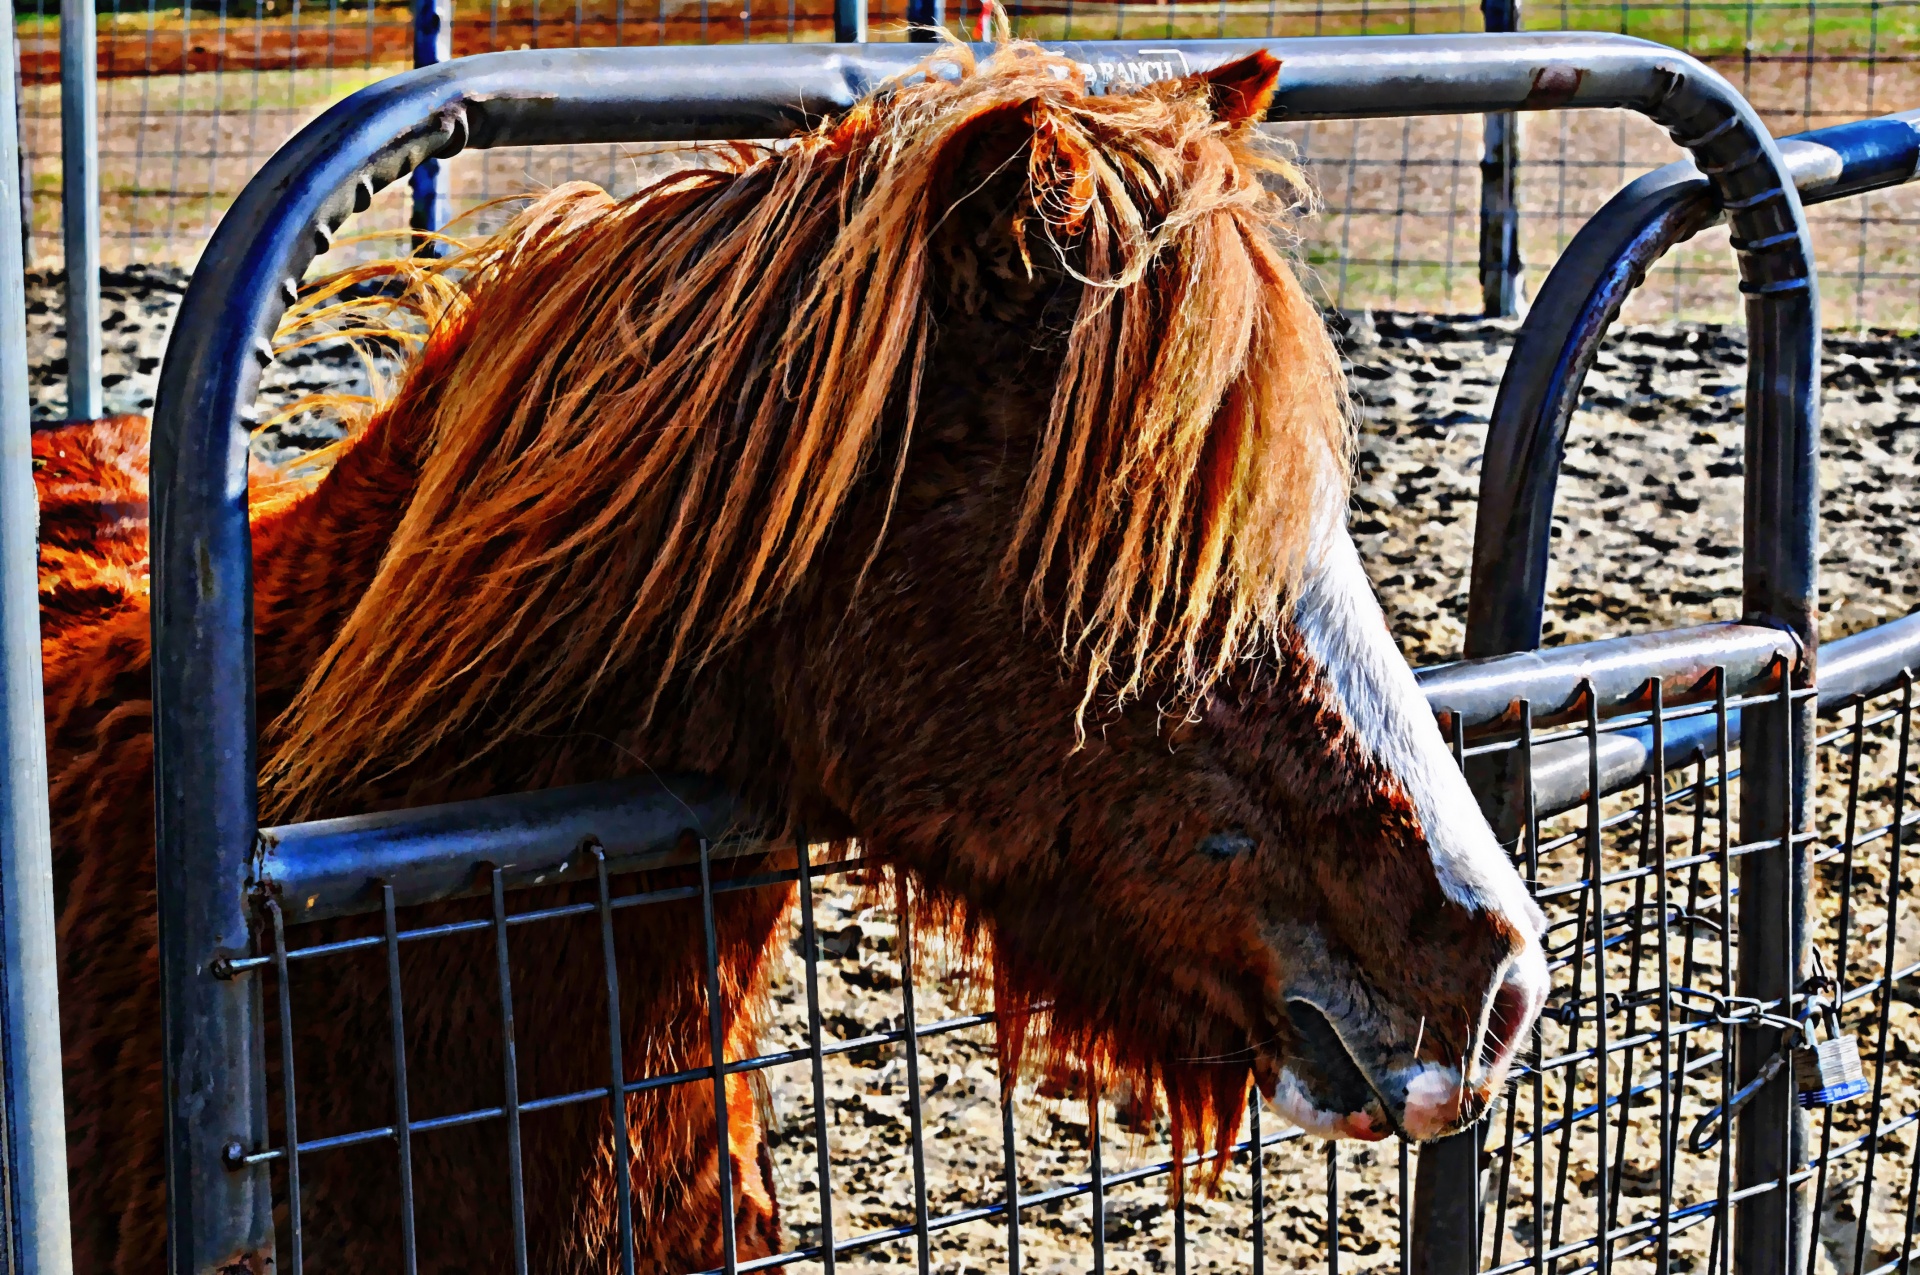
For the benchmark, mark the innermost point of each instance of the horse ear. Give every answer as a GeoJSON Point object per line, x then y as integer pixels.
{"type": "Point", "coordinates": [1242, 89]}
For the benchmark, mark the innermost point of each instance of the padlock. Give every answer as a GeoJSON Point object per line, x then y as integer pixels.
{"type": "Point", "coordinates": [1828, 1071]}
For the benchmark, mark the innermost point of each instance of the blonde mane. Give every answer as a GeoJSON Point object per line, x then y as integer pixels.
{"type": "Point", "coordinates": [637, 422]}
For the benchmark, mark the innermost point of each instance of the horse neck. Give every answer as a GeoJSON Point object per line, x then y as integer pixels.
{"type": "Point", "coordinates": [91, 480]}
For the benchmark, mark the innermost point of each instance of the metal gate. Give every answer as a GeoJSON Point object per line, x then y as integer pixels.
{"type": "Point", "coordinates": [1526, 446]}
{"type": "Point", "coordinates": [1542, 733]}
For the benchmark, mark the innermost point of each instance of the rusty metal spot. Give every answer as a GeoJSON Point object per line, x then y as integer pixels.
{"type": "Point", "coordinates": [1553, 86]}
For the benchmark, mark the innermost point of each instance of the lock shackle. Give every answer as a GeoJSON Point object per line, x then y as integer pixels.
{"type": "Point", "coordinates": [1818, 1002]}
{"type": "Point", "coordinates": [1707, 1131]}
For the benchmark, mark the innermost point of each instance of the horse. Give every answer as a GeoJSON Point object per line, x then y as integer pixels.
{"type": "Point", "coordinates": [965, 478]}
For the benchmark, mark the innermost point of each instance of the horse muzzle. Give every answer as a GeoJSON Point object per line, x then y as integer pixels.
{"type": "Point", "coordinates": [1355, 1072]}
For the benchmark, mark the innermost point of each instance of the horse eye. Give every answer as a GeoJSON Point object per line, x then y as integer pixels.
{"type": "Point", "coordinates": [1226, 845]}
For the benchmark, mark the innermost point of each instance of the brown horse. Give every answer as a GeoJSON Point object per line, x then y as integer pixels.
{"type": "Point", "coordinates": [966, 477]}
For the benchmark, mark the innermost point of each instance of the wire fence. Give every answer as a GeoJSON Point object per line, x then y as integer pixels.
{"type": "Point", "coordinates": [892, 1138]}
{"type": "Point", "coordinates": [193, 98]}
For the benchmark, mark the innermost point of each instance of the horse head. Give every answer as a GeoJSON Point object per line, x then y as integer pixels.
{"type": "Point", "coordinates": [968, 477]}
{"type": "Point", "coordinates": [1113, 682]}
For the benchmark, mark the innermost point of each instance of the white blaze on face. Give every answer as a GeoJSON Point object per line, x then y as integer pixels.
{"type": "Point", "coordinates": [1340, 623]}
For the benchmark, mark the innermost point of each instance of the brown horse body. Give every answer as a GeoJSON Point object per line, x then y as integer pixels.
{"type": "Point", "coordinates": [943, 481]}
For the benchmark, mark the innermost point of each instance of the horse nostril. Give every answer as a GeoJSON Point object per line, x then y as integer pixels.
{"type": "Point", "coordinates": [1341, 1086]}
{"type": "Point", "coordinates": [1226, 845]}
{"type": "Point", "coordinates": [1508, 1020]}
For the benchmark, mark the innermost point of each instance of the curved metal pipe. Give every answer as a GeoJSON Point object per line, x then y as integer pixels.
{"type": "Point", "coordinates": [1579, 301]}
{"type": "Point", "coordinates": [202, 558]}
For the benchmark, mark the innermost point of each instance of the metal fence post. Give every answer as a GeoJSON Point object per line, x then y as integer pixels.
{"type": "Point", "coordinates": [24, 164]}
{"type": "Point", "coordinates": [432, 42]}
{"type": "Point", "coordinates": [922, 15]}
{"type": "Point", "coordinates": [80, 205]}
{"type": "Point", "coordinates": [850, 21]}
{"type": "Point", "coordinates": [1446, 1205]}
{"type": "Point", "coordinates": [1499, 209]}
{"type": "Point", "coordinates": [1448, 1216]}
{"type": "Point", "coordinates": [1781, 585]}
{"type": "Point", "coordinates": [33, 1117]}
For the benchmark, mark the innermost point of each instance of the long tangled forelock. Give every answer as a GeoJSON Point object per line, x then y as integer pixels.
{"type": "Point", "coordinates": [648, 415]}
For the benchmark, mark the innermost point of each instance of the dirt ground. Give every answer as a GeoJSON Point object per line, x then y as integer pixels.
{"type": "Point", "coordinates": [1646, 534]}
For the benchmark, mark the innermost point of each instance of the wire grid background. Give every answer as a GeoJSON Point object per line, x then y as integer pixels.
{"type": "Point", "coordinates": [1642, 894]}
{"type": "Point", "coordinates": [195, 96]}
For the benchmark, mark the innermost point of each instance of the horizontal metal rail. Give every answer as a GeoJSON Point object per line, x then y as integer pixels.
{"type": "Point", "coordinates": [1865, 664]}
{"type": "Point", "coordinates": [334, 867]}
{"type": "Point", "coordinates": [1618, 672]}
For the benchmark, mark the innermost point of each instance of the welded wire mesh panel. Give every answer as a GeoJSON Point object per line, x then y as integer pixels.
{"type": "Point", "coordinates": [1611, 1149]}
{"type": "Point", "coordinates": [889, 1135]}
{"type": "Point", "coordinates": [1803, 66]}
{"type": "Point", "coordinates": [194, 96]}
{"type": "Point", "coordinates": [193, 99]}
{"type": "Point", "coordinates": [1865, 1184]}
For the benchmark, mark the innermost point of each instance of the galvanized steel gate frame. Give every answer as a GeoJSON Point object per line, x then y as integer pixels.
{"type": "Point", "coordinates": [1578, 303]}
{"type": "Point", "coordinates": [215, 864]}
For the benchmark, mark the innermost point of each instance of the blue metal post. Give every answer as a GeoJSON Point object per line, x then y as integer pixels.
{"type": "Point", "coordinates": [850, 21]}
{"type": "Point", "coordinates": [25, 166]}
{"type": "Point", "coordinates": [80, 205]}
{"type": "Point", "coordinates": [37, 1237]}
{"type": "Point", "coordinates": [922, 15]}
{"type": "Point", "coordinates": [432, 42]}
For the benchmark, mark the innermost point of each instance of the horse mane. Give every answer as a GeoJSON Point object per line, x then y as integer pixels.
{"type": "Point", "coordinates": [637, 421]}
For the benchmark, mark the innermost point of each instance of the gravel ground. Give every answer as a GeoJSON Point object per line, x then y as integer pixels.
{"type": "Point", "coordinates": [1647, 524]}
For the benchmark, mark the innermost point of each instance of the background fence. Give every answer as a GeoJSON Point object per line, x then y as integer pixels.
{"type": "Point", "coordinates": [194, 96]}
